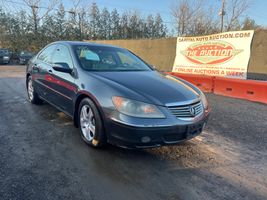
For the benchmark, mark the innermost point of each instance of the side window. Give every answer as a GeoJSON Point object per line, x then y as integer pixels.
{"type": "Point", "coordinates": [62, 55]}
{"type": "Point", "coordinates": [47, 53]}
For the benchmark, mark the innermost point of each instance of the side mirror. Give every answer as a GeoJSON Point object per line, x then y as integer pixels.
{"type": "Point", "coordinates": [153, 67]}
{"type": "Point", "coordinates": [62, 67]}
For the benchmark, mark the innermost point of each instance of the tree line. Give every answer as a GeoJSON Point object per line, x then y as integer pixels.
{"type": "Point", "coordinates": [34, 26]}
{"type": "Point", "coordinates": [24, 30]}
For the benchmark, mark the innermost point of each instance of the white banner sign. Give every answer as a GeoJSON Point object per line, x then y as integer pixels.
{"type": "Point", "coordinates": [226, 54]}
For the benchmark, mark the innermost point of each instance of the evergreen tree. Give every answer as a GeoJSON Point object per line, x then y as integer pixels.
{"type": "Point", "coordinates": [115, 24]}
{"type": "Point", "coordinates": [105, 25]}
{"type": "Point", "coordinates": [150, 26]}
{"type": "Point", "coordinates": [94, 15]}
{"type": "Point", "coordinates": [60, 23]}
{"type": "Point", "coordinates": [22, 30]}
{"type": "Point", "coordinates": [124, 26]}
{"type": "Point", "coordinates": [159, 28]}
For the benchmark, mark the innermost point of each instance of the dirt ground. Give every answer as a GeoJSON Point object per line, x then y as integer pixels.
{"type": "Point", "coordinates": [42, 155]}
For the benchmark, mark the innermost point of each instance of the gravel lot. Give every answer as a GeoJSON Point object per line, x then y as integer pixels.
{"type": "Point", "coordinates": [43, 157]}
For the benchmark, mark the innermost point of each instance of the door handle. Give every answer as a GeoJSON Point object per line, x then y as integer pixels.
{"type": "Point", "coordinates": [50, 71]}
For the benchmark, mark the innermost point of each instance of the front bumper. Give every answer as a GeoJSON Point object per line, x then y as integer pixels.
{"type": "Point", "coordinates": [130, 136]}
{"type": "Point", "coordinates": [4, 61]}
{"type": "Point", "coordinates": [23, 61]}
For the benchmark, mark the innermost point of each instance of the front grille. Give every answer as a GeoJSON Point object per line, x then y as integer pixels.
{"type": "Point", "coordinates": [187, 111]}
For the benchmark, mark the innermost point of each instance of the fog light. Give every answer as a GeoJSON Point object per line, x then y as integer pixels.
{"type": "Point", "coordinates": [145, 139]}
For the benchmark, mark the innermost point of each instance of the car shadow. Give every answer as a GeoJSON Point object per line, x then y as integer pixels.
{"type": "Point", "coordinates": [187, 153]}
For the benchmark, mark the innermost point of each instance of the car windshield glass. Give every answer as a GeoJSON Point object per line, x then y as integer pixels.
{"type": "Point", "coordinates": [100, 58]}
{"type": "Point", "coordinates": [4, 52]}
{"type": "Point", "coordinates": [25, 53]}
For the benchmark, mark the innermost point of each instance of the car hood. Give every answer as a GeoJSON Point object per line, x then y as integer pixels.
{"type": "Point", "coordinates": [158, 88]}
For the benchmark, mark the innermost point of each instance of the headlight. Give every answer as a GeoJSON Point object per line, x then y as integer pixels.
{"type": "Point", "coordinates": [5, 57]}
{"type": "Point", "coordinates": [136, 108]}
{"type": "Point", "coordinates": [204, 100]}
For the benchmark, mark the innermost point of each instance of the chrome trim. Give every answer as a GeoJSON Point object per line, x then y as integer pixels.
{"type": "Point", "coordinates": [182, 112]}
{"type": "Point", "coordinates": [53, 89]}
{"type": "Point", "coordinates": [181, 103]}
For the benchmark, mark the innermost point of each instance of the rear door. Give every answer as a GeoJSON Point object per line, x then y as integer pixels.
{"type": "Point", "coordinates": [40, 71]}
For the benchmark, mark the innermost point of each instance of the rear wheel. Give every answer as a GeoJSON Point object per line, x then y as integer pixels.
{"type": "Point", "coordinates": [90, 124]}
{"type": "Point", "coordinates": [32, 95]}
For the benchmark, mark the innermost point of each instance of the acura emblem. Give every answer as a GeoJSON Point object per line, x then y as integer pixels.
{"type": "Point", "coordinates": [192, 111]}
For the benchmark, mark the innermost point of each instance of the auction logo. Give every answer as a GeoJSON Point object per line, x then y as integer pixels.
{"type": "Point", "coordinates": [213, 52]}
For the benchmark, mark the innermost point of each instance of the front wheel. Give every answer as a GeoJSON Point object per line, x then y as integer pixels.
{"type": "Point", "coordinates": [90, 124]}
{"type": "Point", "coordinates": [32, 95]}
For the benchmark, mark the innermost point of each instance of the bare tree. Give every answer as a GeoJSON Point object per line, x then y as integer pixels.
{"type": "Point", "coordinates": [250, 24]}
{"type": "Point", "coordinates": [234, 10]}
{"type": "Point", "coordinates": [35, 6]}
{"type": "Point", "coordinates": [185, 13]}
{"type": "Point", "coordinates": [79, 18]}
{"type": "Point", "coordinates": [192, 18]}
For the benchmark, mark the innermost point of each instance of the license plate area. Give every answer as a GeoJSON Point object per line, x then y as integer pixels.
{"type": "Point", "coordinates": [178, 134]}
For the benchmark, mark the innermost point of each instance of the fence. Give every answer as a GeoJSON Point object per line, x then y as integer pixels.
{"type": "Point", "coordinates": [161, 52]}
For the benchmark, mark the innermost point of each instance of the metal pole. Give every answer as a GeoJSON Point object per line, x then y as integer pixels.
{"type": "Point", "coordinates": [222, 13]}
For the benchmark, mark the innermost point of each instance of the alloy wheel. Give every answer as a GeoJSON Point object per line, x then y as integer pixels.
{"type": "Point", "coordinates": [30, 90]}
{"type": "Point", "coordinates": [87, 122]}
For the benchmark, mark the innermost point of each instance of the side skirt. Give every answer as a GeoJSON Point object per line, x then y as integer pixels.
{"type": "Point", "coordinates": [58, 108]}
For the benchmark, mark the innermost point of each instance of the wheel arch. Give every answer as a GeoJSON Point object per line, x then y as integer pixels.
{"type": "Point", "coordinates": [27, 76]}
{"type": "Point", "coordinates": [80, 97]}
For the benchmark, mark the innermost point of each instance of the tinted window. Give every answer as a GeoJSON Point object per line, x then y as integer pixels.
{"type": "Point", "coordinates": [47, 53]}
{"type": "Point", "coordinates": [4, 52]}
{"type": "Point", "coordinates": [62, 55]}
{"type": "Point", "coordinates": [26, 53]}
{"type": "Point", "coordinates": [101, 58]}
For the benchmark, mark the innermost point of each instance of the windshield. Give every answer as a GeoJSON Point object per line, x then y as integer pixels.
{"type": "Point", "coordinates": [100, 58]}
{"type": "Point", "coordinates": [4, 52]}
{"type": "Point", "coordinates": [25, 53]}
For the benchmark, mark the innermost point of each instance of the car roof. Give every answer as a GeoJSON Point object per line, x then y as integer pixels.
{"type": "Point", "coordinates": [72, 43]}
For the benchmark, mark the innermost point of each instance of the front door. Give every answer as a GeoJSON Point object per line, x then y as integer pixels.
{"type": "Point", "coordinates": [62, 84]}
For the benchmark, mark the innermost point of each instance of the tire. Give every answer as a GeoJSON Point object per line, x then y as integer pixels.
{"type": "Point", "coordinates": [90, 124]}
{"type": "Point", "coordinates": [32, 95]}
